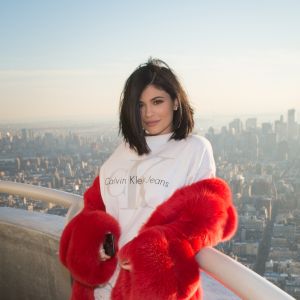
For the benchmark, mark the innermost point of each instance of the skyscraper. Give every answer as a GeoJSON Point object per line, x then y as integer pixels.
{"type": "Point", "coordinates": [292, 125]}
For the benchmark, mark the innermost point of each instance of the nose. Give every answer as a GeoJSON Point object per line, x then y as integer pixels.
{"type": "Point", "coordinates": [148, 111]}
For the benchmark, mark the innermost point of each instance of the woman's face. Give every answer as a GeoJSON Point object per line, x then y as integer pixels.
{"type": "Point", "coordinates": [156, 108]}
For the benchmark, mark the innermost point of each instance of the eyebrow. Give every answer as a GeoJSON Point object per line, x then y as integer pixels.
{"type": "Point", "coordinates": [154, 98]}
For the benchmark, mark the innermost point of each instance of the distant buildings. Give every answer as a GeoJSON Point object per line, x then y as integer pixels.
{"type": "Point", "coordinates": [260, 162]}
{"type": "Point", "coordinates": [262, 165]}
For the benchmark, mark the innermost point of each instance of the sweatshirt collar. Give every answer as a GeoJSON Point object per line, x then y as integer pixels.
{"type": "Point", "coordinates": [155, 141]}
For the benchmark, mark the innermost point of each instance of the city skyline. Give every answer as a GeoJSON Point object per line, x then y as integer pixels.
{"type": "Point", "coordinates": [261, 164]}
{"type": "Point", "coordinates": [69, 60]}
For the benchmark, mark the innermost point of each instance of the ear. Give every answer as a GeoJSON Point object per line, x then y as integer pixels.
{"type": "Point", "coordinates": [176, 104]}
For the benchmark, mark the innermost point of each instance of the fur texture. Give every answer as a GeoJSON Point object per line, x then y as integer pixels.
{"type": "Point", "coordinates": [80, 244]}
{"type": "Point", "coordinates": [162, 255]}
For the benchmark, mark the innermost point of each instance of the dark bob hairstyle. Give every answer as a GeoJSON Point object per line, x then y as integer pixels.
{"type": "Point", "coordinates": [159, 74]}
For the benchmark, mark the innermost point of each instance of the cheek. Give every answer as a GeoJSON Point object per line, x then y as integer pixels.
{"type": "Point", "coordinates": [169, 113]}
{"type": "Point", "coordinates": [165, 110]}
{"type": "Point", "coordinates": [142, 113]}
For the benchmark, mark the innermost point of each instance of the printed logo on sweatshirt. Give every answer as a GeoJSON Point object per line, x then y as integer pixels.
{"type": "Point", "coordinates": [136, 180]}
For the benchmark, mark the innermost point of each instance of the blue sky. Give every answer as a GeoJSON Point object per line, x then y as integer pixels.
{"type": "Point", "coordinates": [69, 59]}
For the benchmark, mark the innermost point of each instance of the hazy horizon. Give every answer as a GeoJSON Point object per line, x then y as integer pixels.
{"type": "Point", "coordinates": [201, 123]}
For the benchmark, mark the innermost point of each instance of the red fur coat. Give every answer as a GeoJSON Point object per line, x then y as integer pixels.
{"type": "Point", "coordinates": [161, 256]}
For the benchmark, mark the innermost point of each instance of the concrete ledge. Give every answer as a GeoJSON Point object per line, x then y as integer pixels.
{"type": "Point", "coordinates": [29, 264]}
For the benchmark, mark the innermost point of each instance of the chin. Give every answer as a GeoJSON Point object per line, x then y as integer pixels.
{"type": "Point", "coordinates": [152, 132]}
{"type": "Point", "coordinates": [158, 130]}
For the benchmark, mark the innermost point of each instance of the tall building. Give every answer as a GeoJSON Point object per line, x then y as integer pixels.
{"type": "Point", "coordinates": [251, 124]}
{"type": "Point", "coordinates": [291, 116]}
{"type": "Point", "coordinates": [280, 129]}
{"type": "Point", "coordinates": [236, 126]}
{"type": "Point", "coordinates": [292, 126]}
{"type": "Point", "coordinates": [266, 128]}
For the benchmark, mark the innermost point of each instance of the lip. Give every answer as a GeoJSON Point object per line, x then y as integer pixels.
{"type": "Point", "coordinates": [151, 123]}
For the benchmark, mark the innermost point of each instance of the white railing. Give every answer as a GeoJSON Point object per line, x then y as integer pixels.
{"type": "Point", "coordinates": [240, 280]}
{"type": "Point", "coordinates": [74, 202]}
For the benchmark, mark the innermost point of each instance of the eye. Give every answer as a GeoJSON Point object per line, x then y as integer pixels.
{"type": "Point", "coordinates": [141, 104]}
{"type": "Point", "coordinates": [157, 101]}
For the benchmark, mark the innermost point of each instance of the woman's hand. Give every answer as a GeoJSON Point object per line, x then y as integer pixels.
{"type": "Point", "coordinates": [102, 254]}
{"type": "Point", "coordinates": [125, 264]}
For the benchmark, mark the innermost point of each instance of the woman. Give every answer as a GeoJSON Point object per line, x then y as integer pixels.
{"type": "Point", "coordinates": [156, 195]}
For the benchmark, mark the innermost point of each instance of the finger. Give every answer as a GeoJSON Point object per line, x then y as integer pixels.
{"type": "Point", "coordinates": [104, 258]}
{"type": "Point", "coordinates": [103, 255]}
{"type": "Point", "coordinates": [126, 265]}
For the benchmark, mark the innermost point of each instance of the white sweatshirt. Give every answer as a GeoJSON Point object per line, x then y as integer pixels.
{"type": "Point", "coordinates": [132, 186]}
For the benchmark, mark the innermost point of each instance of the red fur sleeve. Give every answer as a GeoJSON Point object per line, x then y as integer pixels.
{"type": "Point", "coordinates": [81, 240]}
{"type": "Point", "coordinates": [80, 245]}
{"type": "Point", "coordinates": [92, 197]}
{"type": "Point", "coordinates": [201, 212]}
{"type": "Point", "coordinates": [162, 255]}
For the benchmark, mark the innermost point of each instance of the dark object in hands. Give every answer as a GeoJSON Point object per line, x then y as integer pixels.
{"type": "Point", "coordinates": [109, 244]}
